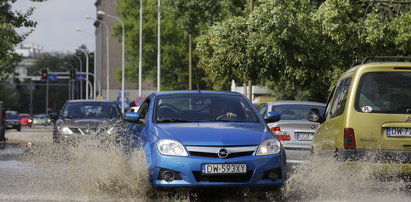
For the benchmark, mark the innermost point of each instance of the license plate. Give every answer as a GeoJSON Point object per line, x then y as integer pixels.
{"type": "Point", "coordinates": [223, 168]}
{"type": "Point", "coordinates": [399, 132]}
{"type": "Point", "coordinates": [305, 136]}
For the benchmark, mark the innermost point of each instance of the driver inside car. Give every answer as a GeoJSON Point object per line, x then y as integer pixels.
{"type": "Point", "coordinates": [220, 109]}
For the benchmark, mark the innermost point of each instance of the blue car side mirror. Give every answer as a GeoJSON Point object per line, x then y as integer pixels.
{"type": "Point", "coordinates": [132, 117]}
{"type": "Point", "coordinates": [272, 117]}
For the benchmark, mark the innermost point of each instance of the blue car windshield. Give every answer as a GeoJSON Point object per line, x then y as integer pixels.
{"type": "Point", "coordinates": [203, 108]}
{"type": "Point", "coordinates": [84, 110]}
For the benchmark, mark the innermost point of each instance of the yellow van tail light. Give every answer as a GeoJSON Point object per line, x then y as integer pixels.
{"type": "Point", "coordinates": [349, 138]}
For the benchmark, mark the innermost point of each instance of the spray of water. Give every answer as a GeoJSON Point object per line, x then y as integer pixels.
{"type": "Point", "coordinates": [326, 179]}
{"type": "Point", "coordinates": [89, 171]}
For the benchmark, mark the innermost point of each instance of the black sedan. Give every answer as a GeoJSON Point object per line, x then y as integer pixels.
{"type": "Point", "coordinates": [12, 120]}
{"type": "Point", "coordinates": [82, 120]}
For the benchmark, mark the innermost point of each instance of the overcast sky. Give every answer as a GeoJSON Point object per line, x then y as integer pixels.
{"type": "Point", "coordinates": [57, 21]}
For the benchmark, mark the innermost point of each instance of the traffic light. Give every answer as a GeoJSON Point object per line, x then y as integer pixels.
{"type": "Point", "coordinates": [16, 80]}
{"type": "Point", "coordinates": [72, 74]}
{"type": "Point", "coordinates": [44, 74]}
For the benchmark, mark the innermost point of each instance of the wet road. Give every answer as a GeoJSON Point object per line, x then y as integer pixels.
{"type": "Point", "coordinates": [46, 172]}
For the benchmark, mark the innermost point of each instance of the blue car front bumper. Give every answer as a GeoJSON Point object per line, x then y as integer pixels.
{"type": "Point", "coordinates": [188, 172]}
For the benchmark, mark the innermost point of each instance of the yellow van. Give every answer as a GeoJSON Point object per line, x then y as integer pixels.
{"type": "Point", "coordinates": [368, 116]}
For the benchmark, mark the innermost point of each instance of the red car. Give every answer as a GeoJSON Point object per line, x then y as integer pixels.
{"type": "Point", "coordinates": [25, 119]}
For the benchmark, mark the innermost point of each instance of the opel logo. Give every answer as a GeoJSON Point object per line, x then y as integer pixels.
{"type": "Point", "coordinates": [313, 127]}
{"type": "Point", "coordinates": [222, 153]}
{"type": "Point", "coordinates": [407, 118]}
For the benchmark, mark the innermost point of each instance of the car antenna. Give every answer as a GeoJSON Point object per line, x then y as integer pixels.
{"type": "Point", "coordinates": [195, 77]}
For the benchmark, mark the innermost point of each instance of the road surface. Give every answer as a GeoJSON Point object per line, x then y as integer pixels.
{"type": "Point", "coordinates": [45, 171]}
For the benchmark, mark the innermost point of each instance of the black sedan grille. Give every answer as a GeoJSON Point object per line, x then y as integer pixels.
{"type": "Point", "coordinates": [85, 131]}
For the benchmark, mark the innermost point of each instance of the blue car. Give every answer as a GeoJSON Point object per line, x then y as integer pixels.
{"type": "Point", "coordinates": [195, 139]}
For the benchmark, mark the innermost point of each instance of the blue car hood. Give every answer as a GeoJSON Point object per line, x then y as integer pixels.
{"type": "Point", "coordinates": [214, 134]}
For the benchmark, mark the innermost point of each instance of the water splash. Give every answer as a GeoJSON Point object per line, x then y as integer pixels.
{"type": "Point", "coordinates": [325, 179]}
{"type": "Point", "coordinates": [89, 171]}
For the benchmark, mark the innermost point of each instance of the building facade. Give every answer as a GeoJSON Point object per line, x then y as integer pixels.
{"type": "Point", "coordinates": [114, 49]}
{"type": "Point", "coordinates": [29, 53]}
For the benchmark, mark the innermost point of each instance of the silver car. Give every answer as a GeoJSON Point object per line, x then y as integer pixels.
{"type": "Point", "coordinates": [41, 119]}
{"type": "Point", "coordinates": [294, 130]}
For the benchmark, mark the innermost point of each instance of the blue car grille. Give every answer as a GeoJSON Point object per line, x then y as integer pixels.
{"type": "Point", "coordinates": [214, 155]}
{"type": "Point", "coordinates": [223, 178]}
{"type": "Point", "coordinates": [215, 152]}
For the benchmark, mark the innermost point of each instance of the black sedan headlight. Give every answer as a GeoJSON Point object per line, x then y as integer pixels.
{"type": "Point", "coordinates": [65, 130]}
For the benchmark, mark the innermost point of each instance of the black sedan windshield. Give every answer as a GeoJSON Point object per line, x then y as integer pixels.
{"type": "Point", "coordinates": [11, 116]}
{"type": "Point", "coordinates": [203, 108]}
{"type": "Point", "coordinates": [90, 110]}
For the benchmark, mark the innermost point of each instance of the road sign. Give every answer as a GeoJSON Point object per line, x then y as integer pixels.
{"type": "Point", "coordinates": [126, 104]}
{"type": "Point", "coordinates": [139, 100]}
{"type": "Point", "coordinates": [81, 77]}
{"type": "Point", "coordinates": [53, 77]}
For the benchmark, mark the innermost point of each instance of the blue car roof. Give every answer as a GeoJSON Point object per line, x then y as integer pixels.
{"type": "Point", "coordinates": [195, 92]}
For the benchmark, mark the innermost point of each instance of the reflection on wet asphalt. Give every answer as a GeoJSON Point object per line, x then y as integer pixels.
{"type": "Point", "coordinates": [9, 151]}
{"type": "Point", "coordinates": [14, 172]}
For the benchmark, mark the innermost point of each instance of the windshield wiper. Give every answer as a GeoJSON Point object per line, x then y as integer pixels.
{"type": "Point", "coordinates": [172, 120]}
{"type": "Point", "coordinates": [225, 120]}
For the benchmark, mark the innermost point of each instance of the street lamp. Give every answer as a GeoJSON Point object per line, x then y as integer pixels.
{"type": "Point", "coordinates": [95, 66]}
{"type": "Point", "coordinates": [87, 70]}
{"type": "Point", "coordinates": [107, 52]}
{"type": "Point", "coordinates": [122, 56]}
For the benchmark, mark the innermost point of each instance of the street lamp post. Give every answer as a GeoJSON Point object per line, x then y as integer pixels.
{"type": "Point", "coordinates": [140, 62]}
{"type": "Point", "coordinates": [107, 53]}
{"type": "Point", "coordinates": [87, 71]}
{"type": "Point", "coordinates": [158, 45]}
{"type": "Point", "coordinates": [122, 56]}
{"type": "Point", "coordinates": [95, 65]}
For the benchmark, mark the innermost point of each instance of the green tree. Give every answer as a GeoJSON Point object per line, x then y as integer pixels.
{"type": "Point", "coordinates": [299, 48]}
{"type": "Point", "coordinates": [9, 21]}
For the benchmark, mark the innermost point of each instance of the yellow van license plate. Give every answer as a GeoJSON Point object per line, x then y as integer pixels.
{"type": "Point", "coordinates": [399, 132]}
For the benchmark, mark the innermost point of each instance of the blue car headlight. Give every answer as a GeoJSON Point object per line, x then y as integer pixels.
{"type": "Point", "coordinates": [269, 146]}
{"type": "Point", "coordinates": [171, 147]}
